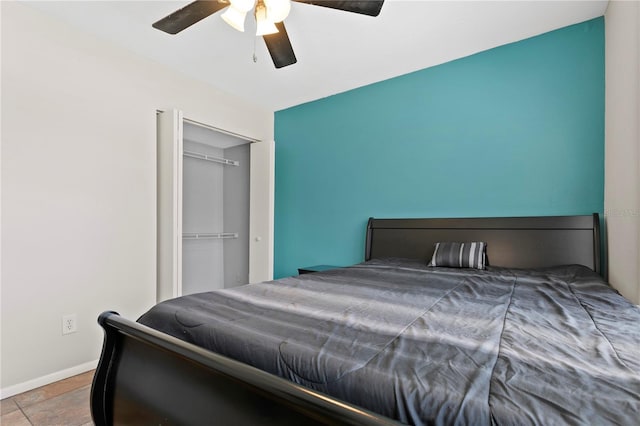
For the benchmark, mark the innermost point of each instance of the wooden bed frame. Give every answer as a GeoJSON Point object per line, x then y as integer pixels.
{"type": "Point", "coordinates": [147, 377]}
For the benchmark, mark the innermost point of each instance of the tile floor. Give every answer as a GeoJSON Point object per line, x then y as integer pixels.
{"type": "Point", "coordinates": [63, 403]}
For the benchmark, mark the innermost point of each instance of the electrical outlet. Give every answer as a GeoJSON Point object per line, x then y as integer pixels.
{"type": "Point", "coordinates": [69, 324]}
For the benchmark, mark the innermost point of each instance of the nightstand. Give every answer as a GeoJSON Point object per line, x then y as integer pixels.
{"type": "Point", "coordinates": [316, 268]}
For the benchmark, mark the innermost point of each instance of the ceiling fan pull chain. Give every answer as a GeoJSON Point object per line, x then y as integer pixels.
{"type": "Point", "coordinates": [255, 58]}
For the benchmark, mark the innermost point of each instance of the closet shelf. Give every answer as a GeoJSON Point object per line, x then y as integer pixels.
{"type": "Point", "coordinates": [215, 235]}
{"type": "Point", "coordinates": [207, 157]}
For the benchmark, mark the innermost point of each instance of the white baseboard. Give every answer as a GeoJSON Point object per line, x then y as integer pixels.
{"type": "Point", "coordinates": [45, 380]}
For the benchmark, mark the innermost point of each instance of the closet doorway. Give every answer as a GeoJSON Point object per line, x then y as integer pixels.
{"type": "Point", "coordinates": [215, 210]}
{"type": "Point", "coordinates": [204, 181]}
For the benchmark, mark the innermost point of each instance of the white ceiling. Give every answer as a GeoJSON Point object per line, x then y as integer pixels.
{"type": "Point", "coordinates": [336, 51]}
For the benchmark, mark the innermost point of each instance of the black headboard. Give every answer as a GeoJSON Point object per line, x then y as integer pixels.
{"type": "Point", "coordinates": [517, 242]}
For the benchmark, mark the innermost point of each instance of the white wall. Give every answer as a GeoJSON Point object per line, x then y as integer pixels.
{"type": "Point", "coordinates": [622, 150]}
{"type": "Point", "coordinates": [78, 186]}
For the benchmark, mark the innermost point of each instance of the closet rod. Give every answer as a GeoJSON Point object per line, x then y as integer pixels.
{"type": "Point", "coordinates": [207, 157]}
{"type": "Point", "coordinates": [218, 235]}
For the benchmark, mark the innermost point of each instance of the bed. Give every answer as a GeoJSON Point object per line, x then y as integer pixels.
{"type": "Point", "coordinates": [537, 337]}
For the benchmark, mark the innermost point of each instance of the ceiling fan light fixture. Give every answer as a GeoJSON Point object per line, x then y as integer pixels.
{"type": "Point", "coordinates": [278, 10]}
{"type": "Point", "coordinates": [264, 25]}
{"type": "Point", "coordinates": [234, 17]}
{"type": "Point", "coordinates": [269, 15]}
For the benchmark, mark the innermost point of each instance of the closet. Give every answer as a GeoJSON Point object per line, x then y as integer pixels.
{"type": "Point", "coordinates": [204, 180]}
{"type": "Point", "coordinates": [215, 210]}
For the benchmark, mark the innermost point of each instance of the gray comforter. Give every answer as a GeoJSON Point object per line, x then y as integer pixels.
{"type": "Point", "coordinates": [434, 345]}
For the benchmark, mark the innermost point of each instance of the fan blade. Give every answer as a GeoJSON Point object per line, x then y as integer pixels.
{"type": "Point", "coordinates": [189, 15]}
{"type": "Point", "coordinates": [279, 47]}
{"type": "Point", "coordinates": [364, 7]}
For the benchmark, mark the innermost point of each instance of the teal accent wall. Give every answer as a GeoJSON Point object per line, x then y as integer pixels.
{"type": "Point", "coordinates": [513, 131]}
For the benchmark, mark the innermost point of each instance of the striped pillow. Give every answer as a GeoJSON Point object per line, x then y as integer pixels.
{"type": "Point", "coordinates": [459, 255]}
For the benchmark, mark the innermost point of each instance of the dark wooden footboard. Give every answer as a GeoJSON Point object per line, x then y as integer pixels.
{"type": "Point", "coordinates": [147, 377]}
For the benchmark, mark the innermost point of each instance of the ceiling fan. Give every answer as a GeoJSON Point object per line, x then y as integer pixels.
{"type": "Point", "coordinates": [269, 15]}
